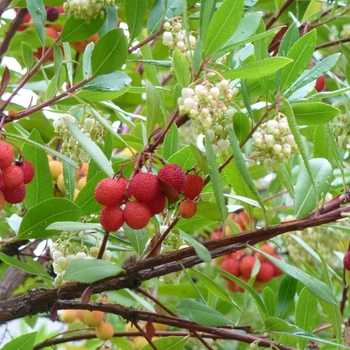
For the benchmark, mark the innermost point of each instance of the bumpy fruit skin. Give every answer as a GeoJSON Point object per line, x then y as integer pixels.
{"type": "Point", "coordinates": [242, 220]}
{"type": "Point", "coordinates": [266, 248]}
{"type": "Point", "coordinates": [6, 155]}
{"type": "Point", "coordinates": [93, 318]}
{"type": "Point", "coordinates": [105, 331]}
{"type": "Point", "coordinates": [110, 192]}
{"type": "Point", "coordinates": [320, 82]}
{"type": "Point", "coordinates": [193, 186]}
{"type": "Point", "coordinates": [112, 218]}
{"type": "Point", "coordinates": [174, 175]}
{"type": "Point", "coordinates": [144, 187]}
{"type": "Point", "coordinates": [231, 266]}
{"type": "Point", "coordinates": [12, 176]}
{"type": "Point", "coordinates": [346, 261]}
{"type": "Point", "coordinates": [265, 273]}
{"type": "Point", "coordinates": [28, 171]}
{"type": "Point", "coordinates": [187, 208]}
{"type": "Point", "coordinates": [157, 205]}
{"type": "Point", "coordinates": [16, 194]}
{"type": "Point", "coordinates": [137, 214]}
{"type": "Point", "coordinates": [247, 264]}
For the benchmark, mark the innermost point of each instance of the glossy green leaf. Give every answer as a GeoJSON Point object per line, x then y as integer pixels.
{"type": "Point", "coordinates": [171, 142]}
{"type": "Point", "coordinates": [209, 210]}
{"type": "Point", "coordinates": [278, 325]}
{"type": "Point", "coordinates": [183, 157]}
{"type": "Point", "coordinates": [135, 13]}
{"type": "Point", "coordinates": [241, 126]}
{"type": "Point", "coordinates": [37, 218]}
{"type": "Point", "coordinates": [73, 226]}
{"type": "Point", "coordinates": [215, 178]}
{"type": "Point", "coordinates": [90, 270]}
{"type": "Point", "coordinates": [223, 24]}
{"type": "Point", "coordinates": [153, 113]}
{"type": "Point", "coordinates": [137, 238]}
{"type": "Point", "coordinates": [41, 187]}
{"type": "Point", "coordinates": [69, 180]}
{"type": "Point", "coordinates": [200, 159]}
{"type": "Point", "coordinates": [269, 298]}
{"type": "Point", "coordinates": [155, 16]}
{"type": "Point", "coordinates": [23, 342]}
{"type": "Point", "coordinates": [109, 53]}
{"type": "Point", "coordinates": [181, 68]}
{"type": "Point", "coordinates": [201, 251]}
{"type": "Point", "coordinates": [288, 40]}
{"type": "Point", "coordinates": [78, 29]}
{"type": "Point", "coordinates": [318, 288]}
{"type": "Point", "coordinates": [168, 343]}
{"type": "Point", "coordinates": [207, 10]}
{"type": "Point", "coordinates": [112, 82]}
{"type": "Point", "coordinates": [286, 293]}
{"type": "Point", "coordinates": [92, 149]}
{"type": "Point", "coordinates": [258, 69]}
{"type": "Point", "coordinates": [313, 113]}
{"type": "Point", "coordinates": [37, 10]}
{"type": "Point", "coordinates": [28, 56]}
{"type": "Point", "coordinates": [322, 144]}
{"type": "Point", "coordinates": [201, 314]}
{"type": "Point", "coordinates": [305, 197]}
{"type": "Point", "coordinates": [301, 54]}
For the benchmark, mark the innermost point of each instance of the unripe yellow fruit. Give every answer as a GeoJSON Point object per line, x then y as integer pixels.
{"type": "Point", "coordinates": [105, 331]}
{"type": "Point", "coordinates": [81, 183]}
{"type": "Point", "coordinates": [93, 318]}
{"type": "Point", "coordinates": [60, 183]}
{"type": "Point", "coordinates": [76, 192]}
{"type": "Point", "coordinates": [139, 342]}
{"type": "Point", "coordinates": [69, 316]}
{"type": "Point", "coordinates": [56, 169]}
{"type": "Point", "coordinates": [160, 326]}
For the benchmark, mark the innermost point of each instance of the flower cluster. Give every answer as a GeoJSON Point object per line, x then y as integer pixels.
{"type": "Point", "coordinates": [70, 146]}
{"type": "Point", "coordinates": [175, 36]}
{"type": "Point", "coordinates": [207, 107]}
{"type": "Point", "coordinates": [63, 252]}
{"type": "Point", "coordinates": [86, 9]}
{"type": "Point", "coordinates": [273, 143]}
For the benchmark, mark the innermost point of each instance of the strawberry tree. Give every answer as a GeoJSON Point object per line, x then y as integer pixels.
{"type": "Point", "coordinates": [173, 174]}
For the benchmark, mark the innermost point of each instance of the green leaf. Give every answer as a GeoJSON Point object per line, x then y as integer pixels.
{"type": "Point", "coordinates": [41, 187]}
{"type": "Point", "coordinates": [34, 268]}
{"type": "Point", "coordinates": [168, 343]}
{"type": "Point", "coordinates": [182, 68]}
{"type": "Point", "coordinates": [90, 270]}
{"type": "Point", "coordinates": [37, 218]}
{"type": "Point", "coordinates": [223, 24]}
{"type": "Point", "coordinates": [305, 197]}
{"type": "Point", "coordinates": [278, 325]}
{"type": "Point", "coordinates": [207, 10]}
{"type": "Point", "coordinates": [286, 295]}
{"type": "Point", "coordinates": [313, 113]}
{"type": "Point", "coordinates": [258, 69]}
{"type": "Point", "coordinates": [200, 159]}
{"type": "Point", "coordinates": [322, 144]}
{"type": "Point", "coordinates": [306, 313]}
{"type": "Point", "coordinates": [301, 54]}
{"type": "Point", "coordinates": [37, 10]}
{"type": "Point", "coordinates": [135, 13]}
{"type": "Point", "coordinates": [201, 314]}
{"type": "Point", "coordinates": [171, 142]}
{"type": "Point", "coordinates": [215, 178]}
{"type": "Point", "coordinates": [209, 210]}
{"type": "Point", "coordinates": [154, 113]}
{"type": "Point", "coordinates": [137, 238]}
{"type": "Point", "coordinates": [269, 298]}
{"type": "Point", "coordinates": [241, 126]}
{"type": "Point", "coordinates": [201, 251]}
{"type": "Point", "coordinates": [23, 342]}
{"type": "Point", "coordinates": [92, 149]}
{"type": "Point", "coordinates": [315, 286]}
{"type": "Point", "coordinates": [78, 29]}
{"type": "Point", "coordinates": [110, 52]}
{"type": "Point", "coordinates": [155, 16]}
{"type": "Point", "coordinates": [69, 179]}
{"type": "Point", "coordinates": [288, 40]}
{"type": "Point", "coordinates": [73, 226]}
{"type": "Point", "coordinates": [27, 55]}
{"type": "Point", "coordinates": [184, 158]}
{"type": "Point", "coordinates": [112, 82]}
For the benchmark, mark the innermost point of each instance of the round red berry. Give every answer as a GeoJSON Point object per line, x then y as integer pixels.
{"type": "Point", "coordinates": [110, 192]}
{"type": "Point", "coordinates": [144, 187]}
{"type": "Point", "coordinates": [157, 205]}
{"type": "Point", "coordinates": [265, 273]}
{"type": "Point", "coordinates": [347, 261]}
{"type": "Point", "coordinates": [187, 208]}
{"type": "Point", "coordinates": [320, 82]}
{"type": "Point", "coordinates": [112, 218]}
{"type": "Point", "coordinates": [28, 171]}
{"type": "Point", "coordinates": [52, 13]}
{"type": "Point", "coordinates": [16, 194]}
{"type": "Point", "coordinates": [12, 176]}
{"type": "Point", "coordinates": [266, 248]}
{"type": "Point", "coordinates": [247, 264]}
{"type": "Point", "coordinates": [231, 266]}
{"type": "Point", "coordinates": [193, 186]}
{"type": "Point", "coordinates": [6, 155]}
{"type": "Point", "coordinates": [137, 214]}
{"type": "Point", "coordinates": [174, 175]}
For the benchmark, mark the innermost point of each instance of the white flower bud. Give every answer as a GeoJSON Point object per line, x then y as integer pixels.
{"type": "Point", "coordinates": [290, 140]}
{"type": "Point", "coordinates": [270, 140]}
{"type": "Point", "coordinates": [187, 92]}
{"type": "Point", "coordinates": [70, 257]}
{"type": "Point", "coordinates": [287, 150]}
{"type": "Point", "coordinates": [283, 126]}
{"type": "Point", "coordinates": [204, 112]}
{"type": "Point", "coordinates": [57, 268]}
{"type": "Point", "coordinates": [62, 262]}
{"type": "Point", "coordinates": [107, 255]}
{"type": "Point", "coordinates": [224, 85]}
{"type": "Point", "coordinates": [189, 103]}
{"type": "Point", "coordinates": [230, 112]}
{"type": "Point", "coordinates": [277, 149]}
{"type": "Point", "coordinates": [80, 255]}
{"type": "Point", "coordinates": [68, 117]}
{"type": "Point", "coordinates": [89, 122]}
{"type": "Point", "coordinates": [211, 135]}
{"type": "Point", "coordinates": [218, 129]}
{"type": "Point", "coordinates": [215, 149]}
{"type": "Point", "coordinates": [192, 41]}
{"type": "Point", "coordinates": [198, 89]}
{"type": "Point", "coordinates": [181, 46]}
{"type": "Point", "coordinates": [272, 124]}
{"type": "Point", "coordinates": [223, 145]}
{"type": "Point", "coordinates": [56, 254]}
{"type": "Point", "coordinates": [167, 26]}
{"type": "Point", "coordinates": [215, 92]}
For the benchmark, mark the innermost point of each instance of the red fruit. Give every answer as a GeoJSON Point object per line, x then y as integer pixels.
{"type": "Point", "coordinates": [28, 171]}
{"type": "Point", "coordinates": [216, 234]}
{"type": "Point", "coordinates": [6, 155]}
{"type": "Point", "coordinates": [16, 194]}
{"type": "Point", "coordinates": [137, 215]}
{"type": "Point", "coordinates": [242, 220]}
{"type": "Point", "coordinates": [174, 175]}
{"type": "Point", "coordinates": [157, 205]}
{"type": "Point", "coordinates": [110, 192]}
{"type": "Point", "coordinates": [247, 264]}
{"type": "Point", "coordinates": [276, 271]}
{"type": "Point", "coordinates": [2, 201]}
{"type": "Point", "coordinates": [266, 248]}
{"type": "Point", "coordinates": [236, 255]}
{"type": "Point", "coordinates": [320, 82]}
{"type": "Point", "coordinates": [346, 261]}
{"type": "Point", "coordinates": [144, 187]}
{"type": "Point", "coordinates": [193, 186]}
{"type": "Point", "coordinates": [187, 208]}
{"type": "Point", "coordinates": [12, 176]}
{"type": "Point", "coordinates": [80, 46]}
{"type": "Point", "coordinates": [234, 287]}
{"type": "Point", "coordinates": [231, 266]}
{"type": "Point", "coordinates": [52, 13]}
{"type": "Point", "coordinates": [265, 273]}
{"type": "Point", "coordinates": [112, 218]}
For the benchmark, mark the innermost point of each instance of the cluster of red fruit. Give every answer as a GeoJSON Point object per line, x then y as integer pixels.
{"type": "Point", "coordinates": [145, 195]}
{"type": "Point", "coordinates": [241, 265]}
{"type": "Point", "coordinates": [13, 177]}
